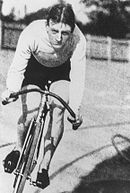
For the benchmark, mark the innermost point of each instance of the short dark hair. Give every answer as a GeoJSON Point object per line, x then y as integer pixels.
{"type": "Point", "coordinates": [62, 12]}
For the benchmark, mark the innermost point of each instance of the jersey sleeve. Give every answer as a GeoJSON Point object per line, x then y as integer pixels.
{"type": "Point", "coordinates": [18, 66]}
{"type": "Point", "coordinates": [77, 74]}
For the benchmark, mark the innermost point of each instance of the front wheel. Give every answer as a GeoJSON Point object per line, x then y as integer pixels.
{"type": "Point", "coordinates": [20, 183]}
{"type": "Point", "coordinates": [25, 161]}
{"type": "Point", "coordinates": [23, 173]}
{"type": "Point", "coordinates": [27, 167]}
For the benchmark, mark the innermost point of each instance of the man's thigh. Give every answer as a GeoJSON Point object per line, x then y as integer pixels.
{"type": "Point", "coordinates": [61, 88]}
{"type": "Point", "coordinates": [30, 101]}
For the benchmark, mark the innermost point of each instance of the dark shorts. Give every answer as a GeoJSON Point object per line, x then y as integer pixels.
{"type": "Point", "coordinates": [38, 75]}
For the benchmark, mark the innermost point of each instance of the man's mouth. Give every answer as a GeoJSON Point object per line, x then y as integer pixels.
{"type": "Point", "coordinates": [57, 44]}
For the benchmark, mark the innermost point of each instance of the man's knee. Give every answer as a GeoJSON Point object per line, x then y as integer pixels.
{"type": "Point", "coordinates": [30, 101]}
{"type": "Point", "coordinates": [61, 88]}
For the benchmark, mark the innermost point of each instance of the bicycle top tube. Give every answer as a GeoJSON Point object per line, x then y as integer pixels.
{"type": "Point", "coordinates": [45, 92]}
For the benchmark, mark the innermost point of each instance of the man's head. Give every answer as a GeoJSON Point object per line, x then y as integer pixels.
{"type": "Point", "coordinates": [60, 24]}
{"type": "Point", "coordinates": [62, 13]}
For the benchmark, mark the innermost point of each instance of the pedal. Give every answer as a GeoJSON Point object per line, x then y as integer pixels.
{"type": "Point", "coordinates": [33, 183]}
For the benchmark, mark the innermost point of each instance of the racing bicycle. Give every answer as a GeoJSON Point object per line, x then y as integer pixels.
{"type": "Point", "coordinates": [30, 150]}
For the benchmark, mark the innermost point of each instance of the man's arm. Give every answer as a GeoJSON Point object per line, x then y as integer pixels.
{"type": "Point", "coordinates": [16, 71]}
{"type": "Point", "coordinates": [77, 75]}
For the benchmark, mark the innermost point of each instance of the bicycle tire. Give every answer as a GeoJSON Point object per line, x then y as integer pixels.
{"type": "Point", "coordinates": [23, 153]}
{"type": "Point", "coordinates": [28, 163]}
{"type": "Point", "coordinates": [20, 180]}
{"type": "Point", "coordinates": [121, 152]}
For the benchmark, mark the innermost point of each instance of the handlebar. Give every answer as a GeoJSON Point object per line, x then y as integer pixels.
{"type": "Point", "coordinates": [45, 92]}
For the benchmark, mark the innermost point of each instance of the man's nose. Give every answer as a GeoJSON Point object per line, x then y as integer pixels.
{"type": "Point", "coordinates": [59, 37]}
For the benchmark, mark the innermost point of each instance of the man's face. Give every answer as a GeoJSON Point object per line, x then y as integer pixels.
{"type": "Point", "coordinates": [58, 34]}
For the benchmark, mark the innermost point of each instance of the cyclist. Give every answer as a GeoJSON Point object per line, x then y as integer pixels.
{"type": "Point", "coordinates": [52, 49]}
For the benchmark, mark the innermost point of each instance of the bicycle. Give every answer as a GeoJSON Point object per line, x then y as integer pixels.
{"type": "Point", "coordinates": [30, 150]}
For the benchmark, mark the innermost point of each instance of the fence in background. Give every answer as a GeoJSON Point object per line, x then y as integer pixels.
{"type": "Point", "coordinates": [107, 48]}
{"type": "Point", "coordinates": [97, 47]}
{"type": "Point", "coordinates": [10, 32]}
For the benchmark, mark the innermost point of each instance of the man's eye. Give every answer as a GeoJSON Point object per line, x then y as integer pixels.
{"type": "Point", "coordinates": [65, 33]}
{"type": "Point", "coordinates": [54, 31]}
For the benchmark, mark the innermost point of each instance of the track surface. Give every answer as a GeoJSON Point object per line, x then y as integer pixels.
{"type": "Point", "coordinates": [85, 155]}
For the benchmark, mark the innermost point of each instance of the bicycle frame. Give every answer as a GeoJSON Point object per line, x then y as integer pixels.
{"type": "Point", "coordinates": [30, 150]}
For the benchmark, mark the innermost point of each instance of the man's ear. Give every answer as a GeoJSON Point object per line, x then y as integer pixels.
{"type": "Point", "coordinates": [47, 27]}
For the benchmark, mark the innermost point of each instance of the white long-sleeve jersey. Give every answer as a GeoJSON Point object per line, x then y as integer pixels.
{"type": "Point", "coordinates": [34, 40]}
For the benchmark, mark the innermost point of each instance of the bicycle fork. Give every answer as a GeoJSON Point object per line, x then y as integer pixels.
{"type": "Point", "coordinates": [36, 124]}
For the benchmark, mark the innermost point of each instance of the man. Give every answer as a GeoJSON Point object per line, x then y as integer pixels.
{"type": "Point", "coordinates": [52, 49]}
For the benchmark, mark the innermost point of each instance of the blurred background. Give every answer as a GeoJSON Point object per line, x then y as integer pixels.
{"type": "Point", "coordinates": [105, 23]}
{"type": "Point", "coordinates": [85, 156]}
{"type": "Point", "coordinates": [96, 17]}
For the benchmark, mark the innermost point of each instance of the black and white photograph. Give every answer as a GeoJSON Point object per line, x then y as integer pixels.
{"type": "Point", "coordinates": [65, 96]}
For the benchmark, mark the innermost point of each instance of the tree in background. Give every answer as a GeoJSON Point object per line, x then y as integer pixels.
{"type": "Point", "coordinates": [107, 18]}
{"type": "Point", "coordinates": [96, 17]}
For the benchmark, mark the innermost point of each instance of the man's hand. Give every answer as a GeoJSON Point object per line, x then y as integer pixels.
{"type": "Point", "coordinates": [76, 122]}
{"type": "Point", "coordinates": [6, 97]}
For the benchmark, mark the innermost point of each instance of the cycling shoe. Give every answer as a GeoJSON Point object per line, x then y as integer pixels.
{"type": "Point", "coordinates": [42, 180]}
{"type": "Point", "coordinates": [11, 160]}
